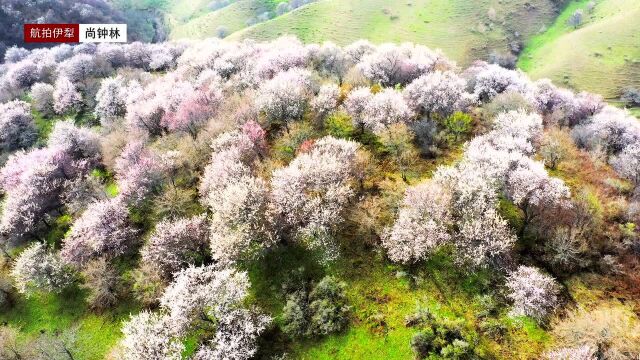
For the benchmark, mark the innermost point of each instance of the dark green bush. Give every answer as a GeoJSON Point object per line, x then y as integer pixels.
{"type": "Point", "coordinates": [321, 312]}
{"type": "Point", "coordinates": [443, 339]}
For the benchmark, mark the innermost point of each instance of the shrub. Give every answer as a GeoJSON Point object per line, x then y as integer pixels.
{"type": "Point", "coordinates": [631, 96]}
{"type": "Point", "coordinates": [457, 126]}
{"type": "Point", "coordinates": [506, 102]}
{"type": "Point", "coordinates": [612, 328]}
{"type": "Point", "coordinates": [443, 339]}
{"type": "Point", "coordinates": [339, 125]}
{"type": "Point", "coordinates": [295, 315]}
{"type": "Point", "coordinates": [328, 307]}
{"type": "Point", "coordinates": [321, 312]}
{"type": "Point", "coordinates": [147, 284]}
{"type": "Point", "coordinates": [429, 137]}
{"type": "Point", "coordinates": [103, 283]}
{"type": "Point", "coordinates": [397, 141]}
{"type": "Point", "coordinates": [554, 148]}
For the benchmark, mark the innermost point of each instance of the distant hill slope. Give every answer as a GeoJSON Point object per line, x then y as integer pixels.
{"type": "Point", "coordinates": [196, 22]}
{"type": "Point", "coordinates": [601, 56]}
{"type": "Point", "coordinates": [463, 29]}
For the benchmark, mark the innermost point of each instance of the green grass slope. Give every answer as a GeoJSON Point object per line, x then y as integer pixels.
{"type": "Point", "coordinates": [194, 19]}
{"type": "Point", "coordinates": [202, 23]}
{"type": "Point", "coordinates": [601, 56]}
{"type": "Point", "coordinates": [461, 28]}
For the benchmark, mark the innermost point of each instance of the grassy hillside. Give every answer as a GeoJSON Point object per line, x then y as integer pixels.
{"type": "Point", "coordinates": [195, 21]}
{"type": "Point", "coordinates": [602, 55]}
{"type": "Point", "coordinates": [461, 28]}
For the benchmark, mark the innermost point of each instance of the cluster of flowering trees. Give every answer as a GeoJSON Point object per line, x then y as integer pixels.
{"type": "Point", "coordinates": [33, 181]}
{"type": "Point", "coordinates": [199, 298]}
{"type": "Point", "coordinates": [195, 94]}
{"type": "Point", "coordinates": [237, 199]}
{"type": "Point", "coordinates": [310, 194]}
{"type": "Point", "coordinates": [465, 197]}
{"type": "Point", "coordinates": [17, 129]}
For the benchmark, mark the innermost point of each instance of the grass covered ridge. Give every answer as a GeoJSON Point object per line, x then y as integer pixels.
{"type": "Point", "coordinates": [601, 56]}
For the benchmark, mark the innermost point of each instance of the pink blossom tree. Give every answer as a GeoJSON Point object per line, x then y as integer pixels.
{"type": "Point", "coordinates": [65, 96]}
{"type": "Point", "coordinates": [17, 128]}
{"type": "Point", "coordinates": [103, 230]}
{"type": "Point", "coordinates": [193, 111]}
{"type": "Point", "coordinates": [175, 244]}
{"type": "Point", "coordinates": [139, 171]}
{"type": "Point", "coordinates": [33, 183]}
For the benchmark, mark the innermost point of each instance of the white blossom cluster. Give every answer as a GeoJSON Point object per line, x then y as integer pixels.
{"type": "Point", "coordinates": [237, 199]}
{"type": "Point", "coordinates": [465, 197]}
{"type": "Point", "coordinates": [40, 269]}
{"type": "Point", "coordinates": [309, 195]}
{"type": "Point", "coordinates": [199, 297]}
{"type": "Point", "coordinates": [533, 293]}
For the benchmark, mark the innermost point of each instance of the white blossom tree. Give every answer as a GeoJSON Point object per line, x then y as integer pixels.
{"type": "Point", "coordinates": [491, 80]}
{"type": "Point", "coordinates": [284, 97]}
{"type": "Point", "coordinates": [531, 188]}
{"type": "Point", "coordinates": [42, 96]}
{"type": "Point", "coordinates": [356, 104]}
{"type": "Point", "coordinates": [237, 199]}
{"type": "Point", "coordinates": [391, 64]}
{"type": "Point", "coordinates": [22, 74]}
{"type": "Point", "coordinates": [77, 68]}
{"type": "Point", "coordinates": [483, 237]}
{"type": "Point", "coordinates": [533, 293]}
{"type": "Point", "coordinates": [326, 101]}
{"type": "Point", "coordinates": [584, 352]}
{"type": "Point", "coordinates": [422, 224]}
{"type": "Point", "coordinates": [80, 143]}
{"type": "Point", "coordinates": [202, 295]}
{"type": "Point", "coordinates": [331, 60]}
{"type": "Point", "coordinates": [111, 100]}
{"type": "Point", "coordinates": [40, 269]}
{"type": "Point", "coordinates": [102, 230]}
{"type": "Point", "coordinates": [610, 131]}
{"type": "Point", "coordinates": [385, 108]}
{"type": "Point", "coordinates": [310, 194]}
{"type": "Point", "coordinates": [627, 163]}
{"type": "Point", "coordinates": [439, 93]}
{"type": "Point", "coordinates": [356, 51]}
{"type": "Point", "coordinates": [65, 96]}
{"type": "Point", "coordinates": [17, 128]}
{"type": "Point", "coordinates": [239, 225]}
{"type": "Point", "coordinates": [175, 244]}
{"type": "Point", "coordinates": [149, 336]}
